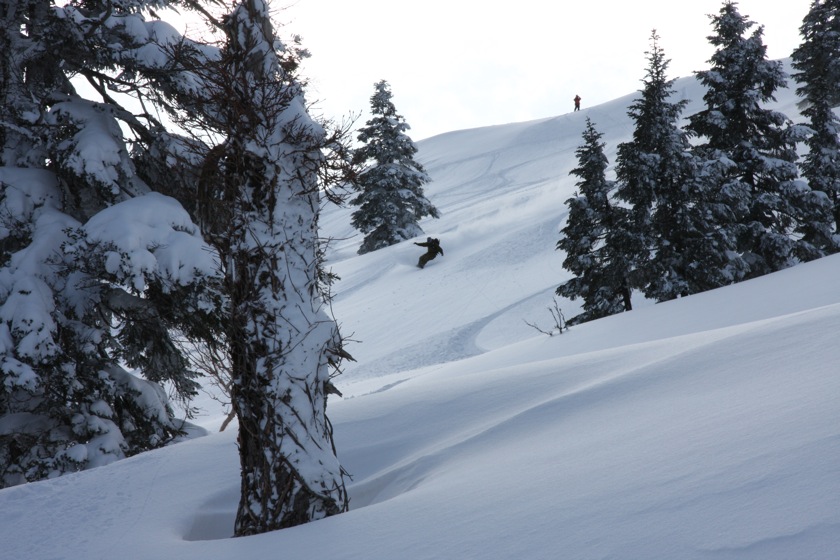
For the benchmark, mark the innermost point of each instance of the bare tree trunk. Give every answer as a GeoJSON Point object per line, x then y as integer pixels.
{"type": "Point", "coordinates": [280, 354]}
{"type": "Point", "coordinates": [273, 493]}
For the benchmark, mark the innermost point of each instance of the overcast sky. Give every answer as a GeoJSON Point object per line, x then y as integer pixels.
{"type": "Point", "coordinates": [456, 64]}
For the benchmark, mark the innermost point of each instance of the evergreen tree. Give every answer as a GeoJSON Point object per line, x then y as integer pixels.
{"type": "Point", "coordinates": [699, 246]}
{"type": "Point", "coordinates": [760, 186]}
{"type": "Point", "coordinates": [588, 236]}
{"type": "Point", "coordinates": [259, 201]}
{"type": "Point", "coordinates": [676, 245]}
{"type": "Point", "coordinates": [390, 199]}
{"type": "Point", "coordinates": [653, 173]}
{"type": "Point", "coordinates": [817, 60]}
{"type": "Point", "coordinates": [96, 271]}
{"type": "Point", "coordinates": [284, 339]}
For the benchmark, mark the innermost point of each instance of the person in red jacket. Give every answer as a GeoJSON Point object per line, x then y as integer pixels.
{"type": "Point", "coordinates": [577, 102]}
{"type": "Point", "coordinates": [432, 249]}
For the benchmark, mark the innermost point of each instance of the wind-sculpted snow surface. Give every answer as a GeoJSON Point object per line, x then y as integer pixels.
{"type": "Point", "coordinates": [706, 428]}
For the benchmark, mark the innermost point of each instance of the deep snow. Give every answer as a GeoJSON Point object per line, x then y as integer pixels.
{"type": "Point", "coordinates": [704, 428]}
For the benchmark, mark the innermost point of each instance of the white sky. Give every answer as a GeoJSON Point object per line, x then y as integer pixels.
{"type": "Point", "coordinates": [456, 64]}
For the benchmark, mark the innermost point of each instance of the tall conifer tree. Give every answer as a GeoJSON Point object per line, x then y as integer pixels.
{"type": "Point", "coordinates": [260, 200]}
{"type": "Point", "coordinates": [589, 236]}
{"type": "Point", "coordinates": [80, 299]}
{"type": "Point", "coordinates": [817, 61]}
{"type": "Point", "coordinates": [390, 199]}
{"type": "Point", "coordinates": [653, 172]}
{"type": "Point", "coordinates": [756, 146]}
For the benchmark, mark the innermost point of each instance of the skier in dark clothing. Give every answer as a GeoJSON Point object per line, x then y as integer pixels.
{"type": "Point", "coordinates": [577, 102]}
{"type": "Point", "coordinates": [432, 249]}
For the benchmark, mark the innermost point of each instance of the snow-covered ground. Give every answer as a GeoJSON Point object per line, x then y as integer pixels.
{"type": "Point", "coordinates": [704, 428]}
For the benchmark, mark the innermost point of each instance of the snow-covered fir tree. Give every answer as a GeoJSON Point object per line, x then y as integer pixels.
{"type": "Point", "coordinates": [652, 172]}
{"type": "Point", "coordinates": [673, 220]}
{"type": "Point", "coordinates": [258, 202]}
{"type": "Point", "coordinates": [285, 340]}
{"type": "Point", "coordinates": [390, 198]}
{"type": "Point", "coordinates": [761, 188]}
{"type": "Point", "coordinates": [588, 236]}
{"type": "Point", "coordinates": [817, 61]}
{"type": "Point", "coordinates": [96, 270]}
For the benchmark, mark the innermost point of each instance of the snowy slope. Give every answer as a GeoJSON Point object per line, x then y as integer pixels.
{"type": "Point", "coordinates": [704, 428]}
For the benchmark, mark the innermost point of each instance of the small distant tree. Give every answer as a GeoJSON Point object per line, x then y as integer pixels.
{"type": "Point", "coordinates": [756, 146]}
{"type": "Point", "coordinates": [390, 186]}
{"type": "Point", "coordinates": [817, 61]}
{"type": "Point", "coordinates": [600, 278]}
